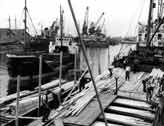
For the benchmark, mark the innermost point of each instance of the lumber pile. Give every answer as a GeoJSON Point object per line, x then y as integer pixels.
{"type": "Point", "coordinates": [78, 102]}
{"type": "Point", "coordinates": [12, 96]}
{"type": "Point", "coordinates": [51, 84]}
{"type": "Point", "coordinates": [46, 86]}
{"type": "Point", "coordinates": [31, 101]}
{"type": "Point", "coordinates": [126, 120]}
{"type": "Point", "coordinates": [156, 73]}
{"type": "Point", "coordinates": [24, 105]}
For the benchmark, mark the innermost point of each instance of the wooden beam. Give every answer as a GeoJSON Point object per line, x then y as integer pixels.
{"type": "Point", "coordinates": [146, 118]}
{"type": "Point", "coordinates": [124, 120]}
{"type": "Point", "coordinates": [17, 101]}
{"type": "Point", "coordinates": [132, 106]}
{"type": "Point", "coordinates": [40, 83]}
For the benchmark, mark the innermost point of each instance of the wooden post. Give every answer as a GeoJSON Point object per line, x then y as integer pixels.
{"type": "Point", "coordinates": [116, 78]}
{"type": "Point", "coordinates": [108, 55]}
{"type": "Point", "coordinates": [17, 101]}
{"type": "Point", "coordinates": [40, 83]}
{"type": "Point", "coordinates": [60, 74]}
{"type": "Point", "coordinates": [75, 67]}
{"type": "Point", "coordinates": [149, 22]}
{"type": "Point", "coordinates": [87, 62]}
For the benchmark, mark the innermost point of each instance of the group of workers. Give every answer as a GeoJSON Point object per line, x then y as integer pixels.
{"type": "Point", "coordinates": [149, 85]}
{"type": "Point", "coordinates": [154, 89]}
{"type": "Point", "coordinates": [127, 72]}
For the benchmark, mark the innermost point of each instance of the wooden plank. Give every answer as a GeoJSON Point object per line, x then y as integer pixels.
{"type": "Point", "coordinates": [91, 112]}
{"type": "Point", "coordinates": [125, 120]}
{"type": "Point", "coordinates": [133, 103]}
{"type": "Point", "coordinates": [58, 122]}
{"type": "Point", "coordinates": [136, 99]}
{"type": "Point", "coordinates": [98, 123]}
{"type": "Point", "coordinates": [147, 115]}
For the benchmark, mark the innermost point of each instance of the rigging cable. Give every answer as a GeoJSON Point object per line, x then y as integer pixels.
{"type": "Point", "coordinates": [20, 19]}
{"type": "Point", "coordinates": [140, 15]}
{"type": "Point", "coordinates": [32, 22]}
{"type": "Point", "coordinates": [132, 18]}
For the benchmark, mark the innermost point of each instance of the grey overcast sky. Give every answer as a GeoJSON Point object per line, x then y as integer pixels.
{"type": "Point", "coordinates": [121, 16]}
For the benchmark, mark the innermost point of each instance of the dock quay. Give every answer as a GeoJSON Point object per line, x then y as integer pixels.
{"type": "Point", "coordinates": [117, 110]}
{"type": "Point", "coordinates": [82, 109]}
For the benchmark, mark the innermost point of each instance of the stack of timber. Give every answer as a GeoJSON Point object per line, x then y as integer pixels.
{"type": "Point", "coordinates": [29, 103]}
{"type": "Point", "coordinates": [156, 73]}
{"type": "Point", "coordinates": [12, 97]}
{"type": "Point", "coordinates": [78, 102]}
{"type": "Point", "coordinates": [82, 109]}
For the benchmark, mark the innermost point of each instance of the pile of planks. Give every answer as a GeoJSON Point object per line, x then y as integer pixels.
{"type": "Point", "coordinates": [25, 93]}
{"type": "Point", "coordinates": [78, 102]}
{"type": "Point", "coordinates": [31, 101]}
{"type": "Point", "coordinates": [156, 73]}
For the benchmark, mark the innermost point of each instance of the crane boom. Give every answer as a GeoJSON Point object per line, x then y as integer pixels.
{"type": "Point", "coordinates": [98, 20]}
{"type": "Point", "coordinates": [101, 27]}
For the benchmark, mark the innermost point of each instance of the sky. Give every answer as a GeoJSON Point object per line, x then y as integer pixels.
{"type": "Point", "coordinates": [121, 16]}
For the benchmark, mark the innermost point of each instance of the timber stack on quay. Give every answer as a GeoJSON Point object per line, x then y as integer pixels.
{"type": "Point", "coordinates": [82, 109]}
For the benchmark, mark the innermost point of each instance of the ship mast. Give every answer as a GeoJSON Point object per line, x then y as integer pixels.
{"type": "Point", "coordinates": [149, 23]}
{"type": "Point", "coordinates": [25, 26]}
{"type": "Point", "coordinates": [15, 23]}
{"type": "Point", "coordinates": [61, 25]}
{"type": "Point", "coordinates": [9, 23]}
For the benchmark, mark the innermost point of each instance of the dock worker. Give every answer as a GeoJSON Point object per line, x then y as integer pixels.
{"type": "Point", "coordinates": [127, 73]}
{"type": "Point", "coordinates": [159, 121]}
{"type": "Point", "coordinates": [45, 109]}
{"type": "Point", "coordinates": [124, 63]}
{"type": "Point", "coordinates": [110, 70]}
{"type": "Point", "coordinates": [162, 83]}
{"type": "Point", "coordinates": [149, 89]}
{"type": "Point", "coordinates": [82, 83]}
{"type": "Point", "coordinates": [144, 85]}
{"type": "Point", "coordinates": [85, 79]}
{"type": "Point", "coordinates": [54, 104]}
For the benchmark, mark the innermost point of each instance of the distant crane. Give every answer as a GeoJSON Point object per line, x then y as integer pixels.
{"type": "Point", "coordinates": [53, 31]}
{"type": "Point", "coordinates": [53, 24]}
{"type": "Point", "coordinates": [93, 26]}
{"type": "Point", "coordinates": [85, 24]}
{"type": "Point", "coordinates": [98, 20]}
{"type": "Point", "coordinates": [99, 28]}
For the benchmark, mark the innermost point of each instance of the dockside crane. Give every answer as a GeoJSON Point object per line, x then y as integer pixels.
{"type": "Point", "coordinates": [98, 20]}
{"type": "Point", "coordinates": [93, 26]}
{"type": "Point", "coordinates": [85, 24]}
{"type": "Point", "coordinates": [100, 27]}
